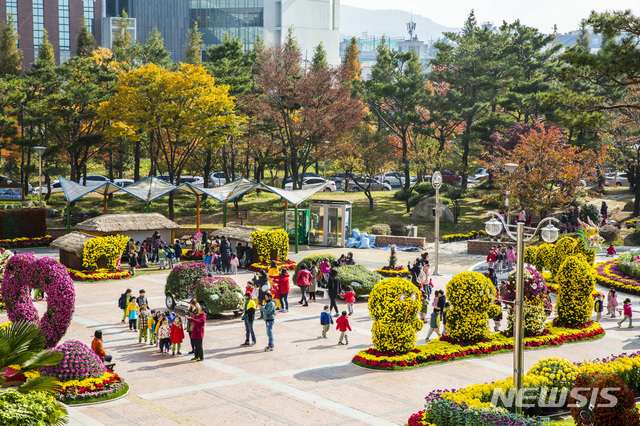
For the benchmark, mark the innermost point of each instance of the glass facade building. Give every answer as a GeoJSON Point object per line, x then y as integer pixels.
{"type": "Point", "coordinates": [38, 21]}
{"type": "Point", "coordinates": [243, 18]}
{"type": "Point", "coordinates": [88, 12]}
{"type": "Point", "coordinates": [12, 9]}
{"type": "Point", "coordinates": [63, 24]}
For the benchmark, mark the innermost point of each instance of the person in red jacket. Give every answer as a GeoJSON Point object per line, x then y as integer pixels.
{"type": "Point", "coordinates": [197, 334]}
{"type": "Point", "coordinates": [304, 281]}
{"type": "Point", "coordinates": [342, 324]}
{"type": "Point", "coordinates": [491, 257]}
{"type": "Point", "coordinates": [611, 250]}
{"type": "Point", "coordinates": [283, 288]}
{"type": "Point", "coordinates": [177, 335]}
{"type": "Point", "coordinates": [350, 298]}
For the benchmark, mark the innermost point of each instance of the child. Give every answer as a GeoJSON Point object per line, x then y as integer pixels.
{"type": "Point", "coordinates": [425, 307]}
{"type": "Point", "coordinates": [159, 319]}
{"type": "Point", "coordinates": [133, 262]}
{"type": "Point", "coordinates": [275, 292]}
{"type": "Point", "coordinates": [444, 317]}
{"type": "Point", "coordinates": [626, 307]}
{"type": "Point", "coordinates": [177, 335]}
{"type": "Point", "coordinates": [326, 320]}
{"type": "Point", "coordinates": [171, 255]}
{"type": "Point", "coordinates": [511, 257]}
{"type": "Point", "coordinates": [208, 262]}
{"type": "Point", "coordinates": [611, 250]}
{"type": "Point", "coordinates": [234, 262]}
{"type": "Point", "coordinates": [162, 257]}
{"type": "Point", "coordinates": [143, 325]}
{"type": "Point", "coordinates": [151, 325]}
{"type": "Point", "coordinates": [350, 299]}
{"type": "Point", "coordinates": [248, 288]}
{"type": "Point", "coordinates": [434, 323]}
{"type": "Point", "coordinates": [133, 310]}
{"type": "Point", "coordinates": [496, 320]}
{"type": "Point", "coordinates": [491, 257]}
{"type": "Point", "coordinates": [342, 324]}
{"type": "Point", "coordinates": [273, 272]}
{"type": "Point", "coordinates": [164, 336]}
{"type": "Point", "coordinates": [598, 306]}
{"type": "Point", "coordinates": [284, 287]}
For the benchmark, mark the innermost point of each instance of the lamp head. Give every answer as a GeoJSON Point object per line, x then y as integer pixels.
{"type": "Point", "coordinates": [511, 167]}
{"type": "Point", "coordinates": [493, 227]}
{"type": "Point", "coordinates": [549, 233]}
{"type": "Point", "coordinates": [40, 150]}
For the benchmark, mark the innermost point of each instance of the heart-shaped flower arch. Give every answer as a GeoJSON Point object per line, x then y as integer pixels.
{"type": "Point", "coordinates": [25, 272]}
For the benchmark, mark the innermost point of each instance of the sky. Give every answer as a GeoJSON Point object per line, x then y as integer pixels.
{"type": "Point", "coordinates": [541, 14]}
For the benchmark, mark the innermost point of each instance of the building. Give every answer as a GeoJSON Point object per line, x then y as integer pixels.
{"type": "Point", "coordinates": [61, 18]}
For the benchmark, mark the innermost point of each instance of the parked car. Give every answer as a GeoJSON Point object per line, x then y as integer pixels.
{"type": "Point", "coordinates": [412, 179]}
{"type": "Point", "coordinates": [306, 175]}
{"type": "Point", "coordinates": [480, 172]}
{"type": "Point", "coordinates": [56, 186]}
{"type": "Point", "coordinates": [193, 180]}
{"type": "Point", "coordinates": [94, 180]}
{"type": "Point", "coordinates": [361, 184]}
{"type": "Point", "coordinates": [390, 178]}
{"type": "Point", "coordinates": [616, 179]}
{"type": "Point", "coordinates": [339, 179]}
{"type": "Point", "coordinates": [450, 177]}
{"type": "Point", "coordinates": [122, 182]}
{"type": "Point", "coordinates": [219, 178]}
{"type": "Point", "coordinates": [307, 182]}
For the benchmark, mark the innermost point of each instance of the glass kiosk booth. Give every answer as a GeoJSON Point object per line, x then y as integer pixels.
{"type": "Point", "coordinates": [303, 225]}
{"type": "Point", "coordinates": [329, 222]}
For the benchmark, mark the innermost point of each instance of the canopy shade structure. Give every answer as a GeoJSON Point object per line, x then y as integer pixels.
{"type": "Point", "coordinates": [106, 188]}
{"type": "Point", "coordinates": [72, 190]}
{"type": "Point", "coordinates": [295, 196]}
{"type": "Point", "coordinates": [149, 188]}
{"type": "Point", "coordinates": [224, 193]}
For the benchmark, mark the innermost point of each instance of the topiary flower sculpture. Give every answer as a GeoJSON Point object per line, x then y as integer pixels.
{"type": "Point", "coordinates": [470, 294]}
{"type": "Point", "coordinates": [535, 293]}
{"type": "Point", "coordinates": [394, 304]}
{"type": "Point", "coordinates": [577, 281]}
{"type": "Point", "coordinates": [24, 272]}
{"type": "Point", "coordinates": [78, 362]}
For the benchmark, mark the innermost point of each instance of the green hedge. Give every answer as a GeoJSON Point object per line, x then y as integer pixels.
{"type": "Point", "coordinates": [361, 275]}
{"type": "Point", "coordinates": [33, 408]}
{"type": "Point", "coordinates": [307, 261]}
{"type": "Point", "coordinates": [23, 223]}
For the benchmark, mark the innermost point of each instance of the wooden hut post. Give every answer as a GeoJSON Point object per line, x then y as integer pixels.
{"type": "Point", "coordinates": [224, 214]}
{"type": "Point", "coordinates": [105, 205]}
{"type": "Point", "coordinates": [197, 213]}
{"type": "Point", "coordinates": [68, 217]}
{"type": "Point", "coordinates": [295, 232]}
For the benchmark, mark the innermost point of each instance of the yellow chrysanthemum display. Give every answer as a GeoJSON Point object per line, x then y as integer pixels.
{"type": "Point", "coordinates": [265, 241]}
{"type": "Point", "coordinates": [470, 295]}
{"type": "Point", "coordinates": [576, 282]}
{"type": "Point", "coordinates": [111, 247]}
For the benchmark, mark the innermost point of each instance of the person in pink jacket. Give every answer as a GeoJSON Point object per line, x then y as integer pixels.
{"type": "Point", "coordinates": [511, 257]}
{"type": "Point", "coordinates": [304, 281]}
{"type": "Point", "coordinates": [350, 298]}
{"type": "Point", "coordinates": [197, 334]}
{"type": "Point", "coordinates": [325, 269]}
{"type": "Point", "coordinates": [342, 325]}
{"type": "Point", "coordinates": [628, 314]}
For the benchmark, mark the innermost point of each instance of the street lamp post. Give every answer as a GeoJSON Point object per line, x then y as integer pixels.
{"type": "Point", "coordinates": [549, 234]}
{"type": "Point", "coordinates": [436, 181]}
{"type": "Point", "coordinates": [511, 167]}
{"type": "Point", "coordinates": [40, 151]}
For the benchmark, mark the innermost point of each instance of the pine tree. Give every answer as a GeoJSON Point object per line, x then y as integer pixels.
{"type": "Point", "coordinates": [351, 67]}
{"type": "Point", "coordinates": [319, 60]}
{"type": "Point", "coordinates": [122, 40]}
{"type": "Point", "coordinates": [584, 38]}
{"type": "Point", "coordinates": [86, 42]}
{"type": "Point", "coordinates": [153, 50]}
{"type": "Point", "coordinates": [193, 48]}
{"type": "Point", "coordinates": [290, 43]}
{"type": "Point", "coordinates": [393, 258]}
{"type": "Point", "coordinates": [10, 55]}
{"type": "Point", "coordinates": [45, 50]}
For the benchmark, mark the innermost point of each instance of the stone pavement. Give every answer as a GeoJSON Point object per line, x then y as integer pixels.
{"type": "Point", "coordinates": [306, 380]}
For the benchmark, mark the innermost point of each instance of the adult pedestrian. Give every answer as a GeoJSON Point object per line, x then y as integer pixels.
{"type": "Point", "coordinates": [197, 334]}
{"type": "Point", "coordinates": [269, 316]}
{"type": "Point", "coordinates": [284, 288]}
{"type": "Point", "coordinates": [304, 281]}
{"type": "Point", "coordinates": [415, 271]}
{"type": "Point", "coordinates": [142, 256]}
{"type": "Point", "coordinates": [123, 302]}
{"type": "Point", "coordinates": [575, 215]}
{"type": "Point", "coordinates": [225, 253]}
{"type": "Point", "coordinates": [522, 216]}
{"type": "Point", "coordinates": [603, 211]}
{"type": "Point", "coordinates": [192, 311]}
{"type": "Point", "coordinates": [335, 288]}
{"type": "Point", "coordinates": [261, 280]}
{"type": "Point", "coordinates": [314, 271]}
{"type": "Point", "coordinates": [96, 346]}
{"type": "Point", "coordinates": [156, 243]}
{"type": "Point", "coordinates": [442, 302]}
{"type": "Point", "coordinates": [177, 247]}
{"type": "Point", "coordinates": [248, 318]}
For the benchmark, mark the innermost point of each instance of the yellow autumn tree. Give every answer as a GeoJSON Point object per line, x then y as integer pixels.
{"type": "Point", "coordinates": [179, 110]}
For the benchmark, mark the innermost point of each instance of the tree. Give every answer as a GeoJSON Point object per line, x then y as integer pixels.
{"type": "Point", "coordinates": [193, 47]}
{"type": "Point", "coordinates": [584, 37]}
{"type": "Point", "coordinates": [121, 45]}
{"type": "Point", "coordinates": [394, 93]}
{"type": "Point", "coordinates": [45, 50]}
{"type": "Point", "coordinates": [10, 55]}
{"type": "Point", "coordinates": [86, 42]}
{"type": "Point", "coordinates": [305, 109]}
{"type": "Point", "coordinates": [153, 50]}
{"type": "Point", "coordinates": [550, 169]}
{"type": "Point", "coordinates": [319, 60]}
{"type": "Point", "coordinates": [180, 110]}
{"type": "Point", "coordinates": [351, 67]}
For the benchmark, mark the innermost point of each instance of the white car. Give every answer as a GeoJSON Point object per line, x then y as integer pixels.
{"type": "Point", "coordinates": [122, 182]}
{"type": "Point", "coordinates": [310, 181]}
{"type": "Point", "coordinates": [616, 179]}
{"type": "Point", "coordinates": [219, 179]}
{"type": "Point", "coordinates": [94, 180]}
{"type": "Point", "coordinates": [193, 180]}
{"type": "Point", "coordinates": [480, 173]}
{"type": "Point", "coordinates": [55, 187]}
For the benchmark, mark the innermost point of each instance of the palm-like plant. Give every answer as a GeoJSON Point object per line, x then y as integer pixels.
{"type": "Point", "coordinates": [21, 344]}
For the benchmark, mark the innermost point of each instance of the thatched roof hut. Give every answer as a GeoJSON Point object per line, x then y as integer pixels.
{"type": "Point", "coordinates": [71, 246]}
{"type": "Point", "coordinates": [111, 224]}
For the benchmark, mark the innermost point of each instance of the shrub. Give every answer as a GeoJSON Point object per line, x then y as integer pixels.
{"type": "Point", "coordinates": [401, 195]}
{"type": "Point", "coordinates": [425, 188]}
{"type": "Point", "coordinates": [624, 412]}
{"type": "Point", "coordinates": [398, 228]}
{"type": "Point", "coordinates": [590, 211]}
{"type": "Point", "coordinates": [470, 294]}
{"type": "Point", "coordinates": [609, 232]}
{"type": "Point", "coordinates": [33, 408]}
{"type": "Point", "coordinates": [359, 277]}
{"type": "Point", "coordinates": [307, 261]}
{"type": "Point", "coordinates": [23, 223]}
{"type": "Point", "coordinates": [265, 241]}
{"type": "Point", "coordinates": [219, 294]}
{"type": "Point", "coordinates": [182, 280]}
{"type": "Point", "coordinates": [576, 283]}
{"type": "Point", "coordinates": [394, 304]}
{"type": "Point", "coordinates": [415, 198]}
{"type": "Point", "coordinates": [558, 371]}
{"type": "Point", "coordinates": [381, 229]}
{"type": "Point", "coordinates": [78, 362]}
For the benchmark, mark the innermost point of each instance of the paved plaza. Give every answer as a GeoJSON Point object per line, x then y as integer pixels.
{"type": "Point", "coordinates": [306, 380]}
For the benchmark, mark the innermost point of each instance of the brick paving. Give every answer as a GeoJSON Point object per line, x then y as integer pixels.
{"type": "Point", "coordinates": [306, 380]}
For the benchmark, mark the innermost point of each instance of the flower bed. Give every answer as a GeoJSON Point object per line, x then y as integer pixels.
{"type": "Point", "coordinates": [288, 264]}
{"type": "Point", "coordinates": [192, 255]}
{"type": "Point", "coordinates": [26, 242]}
{"type": "Point", "coordinates": [609, 275]}
{"type": "Point", "coordinates": [463, 237]}
{"type": "Point", "coordinates": [98, 275]}
{"type": "Point", "coordinates": [398, 271]}
{"type": "Point", "coordinates": [105, 387]}
{"type": "Point", "coordinates": [441, 350]}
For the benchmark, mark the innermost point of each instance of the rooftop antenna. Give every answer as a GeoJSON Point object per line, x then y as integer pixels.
{"type": "Point", "coordinates": [411, 28]}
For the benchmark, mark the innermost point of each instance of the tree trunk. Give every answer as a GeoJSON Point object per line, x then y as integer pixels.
{"type": "Point", "coordinates": [466, 141]}
{"type": "Point", "coordinates": [636, 175]}
{"type": "Point", "coordinates": [171, 212]}
{"type": "Point", "coordinates": [136, 161]}
{"type": "Point", "coordinates": [405, 161]}
{"type": "Point", "coordinates": [206, 171]}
